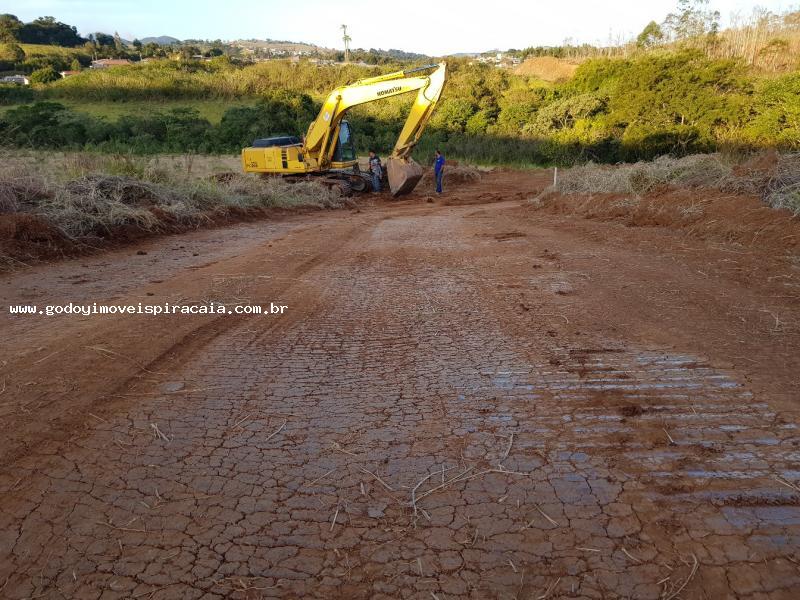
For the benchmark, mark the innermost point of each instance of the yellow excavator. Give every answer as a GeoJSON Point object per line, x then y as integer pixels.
{"type": "Point", "coordinates": [328, 149]}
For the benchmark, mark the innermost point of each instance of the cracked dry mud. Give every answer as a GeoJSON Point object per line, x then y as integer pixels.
{"type": "Point", "coordinates": [454, 407]}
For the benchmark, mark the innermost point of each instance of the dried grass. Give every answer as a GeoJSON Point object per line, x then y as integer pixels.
{"type": "Point", "coordinates": [252, 191]}
{"type": "Point", "coordinates": [773, 177]}
{"type": "Point", "coordinates": [783, 187]}
{"type": "Point", "coordinates": [644, 177]}
{"type": "Point", "coordinates": [85, 195]}
{"type": "Point", "coordinates": [547, 68]}
{"type": "Point", "coordinates": [20, 188]}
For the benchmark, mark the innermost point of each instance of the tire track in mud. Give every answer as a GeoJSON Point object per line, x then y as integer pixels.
{"type": "Point", "coordinates": [409, 434]}
{"type": "Point", "coordinates": [97, 361]}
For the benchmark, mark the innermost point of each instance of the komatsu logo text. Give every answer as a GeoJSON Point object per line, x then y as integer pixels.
{"type": "Point", "coordinates": [390, 91]}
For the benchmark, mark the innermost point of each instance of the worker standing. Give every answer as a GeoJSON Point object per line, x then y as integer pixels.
{"type": "Point", "coordinates": [438, 169]}
{"type": "Point", "coordinates": [376, 169]}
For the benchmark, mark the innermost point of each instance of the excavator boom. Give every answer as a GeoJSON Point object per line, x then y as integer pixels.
{"type": "Point", "coordinates": [322, 147]}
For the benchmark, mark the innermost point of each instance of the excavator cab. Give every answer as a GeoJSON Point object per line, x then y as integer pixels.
{"type": "Point", "coordinates": [344, 155]}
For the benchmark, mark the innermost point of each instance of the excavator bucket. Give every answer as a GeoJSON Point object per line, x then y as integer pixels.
{"type": "Point", "coordinates": [404, 175]}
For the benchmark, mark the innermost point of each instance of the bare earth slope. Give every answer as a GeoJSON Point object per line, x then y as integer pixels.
{"type": "Point", "coordinates": [466, 399]}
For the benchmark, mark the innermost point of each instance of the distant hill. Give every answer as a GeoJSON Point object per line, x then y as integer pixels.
{"type": "Point", "coordinates": [162, 40]}
{"type": "Point", "coordinates": [283, 45]}
{"type": "Point", "coordinates": [400, 54]}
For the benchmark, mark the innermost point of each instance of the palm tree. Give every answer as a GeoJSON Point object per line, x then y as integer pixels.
{"type": "Point", "coordinates": [346, 39]}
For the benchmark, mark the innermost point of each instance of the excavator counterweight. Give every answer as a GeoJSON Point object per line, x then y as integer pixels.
{"type": "Point", "coordinates": [328, 147]}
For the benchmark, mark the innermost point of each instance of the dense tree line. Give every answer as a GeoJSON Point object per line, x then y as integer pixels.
{"type": "Point", "coordinates": [44, 30]}
{"type": "Point", "coordinates": [52, 125]}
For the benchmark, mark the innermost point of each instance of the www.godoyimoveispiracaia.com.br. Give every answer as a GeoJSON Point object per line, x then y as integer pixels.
{"type": "Point", "coordinates": [210, 308]}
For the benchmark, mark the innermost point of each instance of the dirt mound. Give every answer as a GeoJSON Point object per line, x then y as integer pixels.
{"type": "Point", "coordinates": [44, 214]}
{"type": "Point", "coordinates": [699, 213]}
{"type": "Point", "coordinates": [454, 176]}
{"type": "Point", "coordinates": [26, 237]}
{"type": "Point", "coordinates": [547, 68]}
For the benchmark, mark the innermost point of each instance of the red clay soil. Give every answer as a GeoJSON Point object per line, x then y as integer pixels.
{"type": "Point", "coordinates": [27, 238]}
{"type": "Point", "coordinates": [702, 214]}
{"type": "Point", "coordinates": [467, 398]}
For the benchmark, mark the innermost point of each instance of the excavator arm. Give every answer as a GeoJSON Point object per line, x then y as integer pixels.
{"type": "Point", "coordinates": [420, 113]}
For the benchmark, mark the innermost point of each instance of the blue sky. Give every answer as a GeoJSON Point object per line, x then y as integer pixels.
{"type": "Point", "coordinates": [431, 26]}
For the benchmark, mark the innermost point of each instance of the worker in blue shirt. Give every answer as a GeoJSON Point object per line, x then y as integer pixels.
{"type": "Point", "coordinates": [438, 169]}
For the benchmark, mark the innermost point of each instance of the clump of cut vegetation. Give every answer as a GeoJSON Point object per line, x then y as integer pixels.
{"type": "Point", "coordinates": [783, 187]}
{"type": "Point", "coordinates": [18, 190]}
{"type": "Point", "coordinates": [85, 200]}
{"type": "Point", "coordinates": [252, 192]}
{"type": "Point", "coordinates": [644, 177]}
{"type": "Point", "coordinates": [772, 176]}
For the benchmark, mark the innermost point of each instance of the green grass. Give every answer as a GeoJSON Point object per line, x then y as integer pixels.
{"type": "Point", "coordinates": [208, 109]}
{"type": "Point", "coordinates": [112, 111]}
{"type": "Point", "coordinates": [44, 50]}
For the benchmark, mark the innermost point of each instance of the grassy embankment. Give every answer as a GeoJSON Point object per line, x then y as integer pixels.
{"type": "Point", "coordinates": [63, 204]}
{"type": "Point", "coordinates": [753, 203]}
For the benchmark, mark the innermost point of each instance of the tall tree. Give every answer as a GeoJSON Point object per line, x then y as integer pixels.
{"type": "Point", "coordinates": [103, 39]}
{"type": "Point", "coordinates": [692, 20]}
{"type": "Point", "coordinates": [11, 53]}
{"type": "Point", "coordinates": [46, 30]}
{"type": "Point", "coordinates": [9, 28]}
{"type": "Point", "coordinates": [188, 52]}
{"type": "Point", "coordinates": [652, 35]}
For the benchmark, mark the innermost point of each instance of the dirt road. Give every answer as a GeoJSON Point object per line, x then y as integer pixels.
{"type": "Point", "coordinates": [465, 399]}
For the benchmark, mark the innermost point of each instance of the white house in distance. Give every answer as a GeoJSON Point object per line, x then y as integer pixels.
{"type": "Point", "coordinates": [18, 79]}
{"type": "Point", "coordinates": [499, 60]}
{"type": "Point", "coordinates": [104, 63]}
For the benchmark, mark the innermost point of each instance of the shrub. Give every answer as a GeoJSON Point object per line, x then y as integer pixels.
{"type": "Point", "coordinates": [45, 75]}
{"type": "Point", "coordinates": [10, 55]}
{"type": "Point", "coordinates": [15, 94]}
